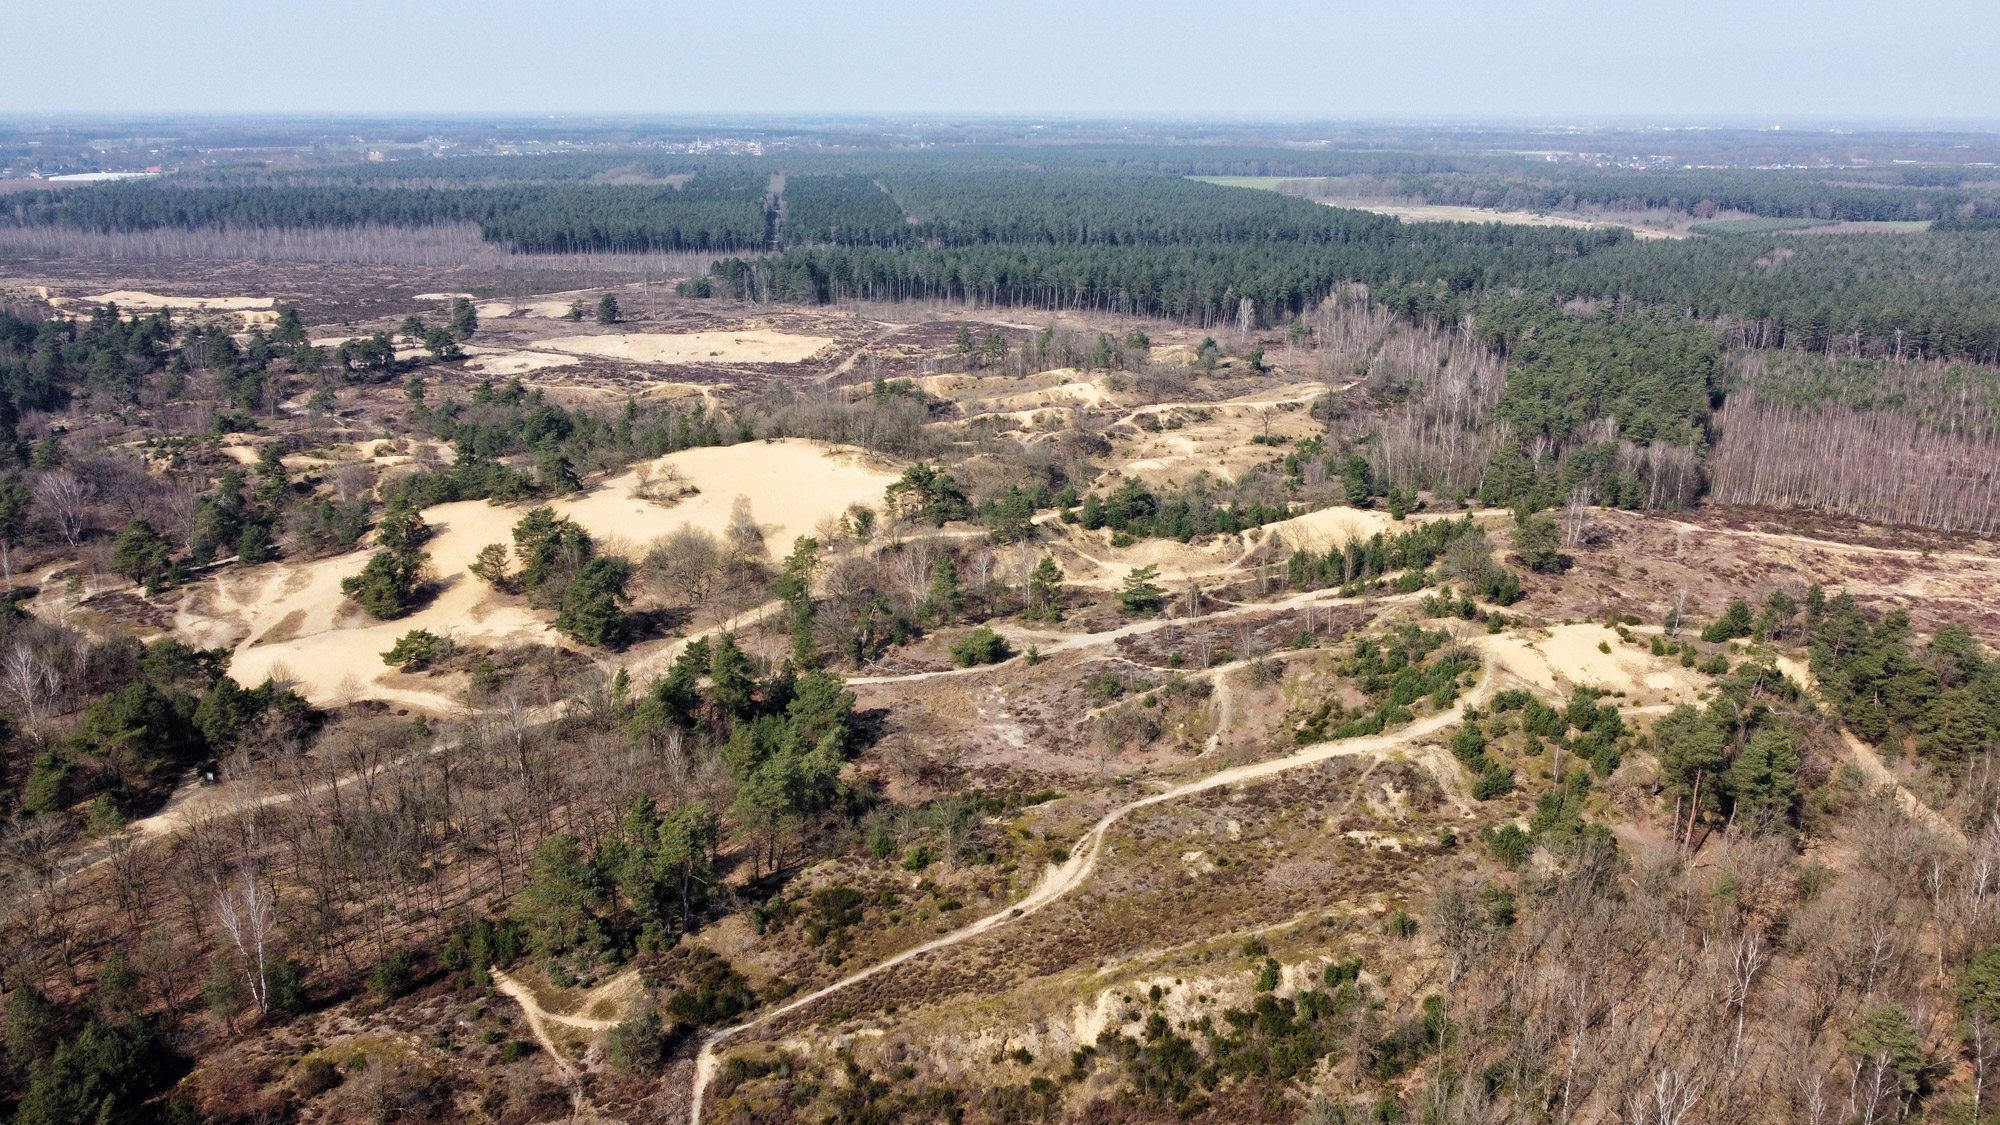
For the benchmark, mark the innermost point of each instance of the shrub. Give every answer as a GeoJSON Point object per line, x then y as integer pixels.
{"type": "Point", "coordinates": [417, 649]}
{"type": "Point", "coordinates": [637, 1043]}
{"type": "Point", "coordinates": [1496, 781]}
{"type": "Point", "coordinates": [392, 976]}
{"type": "Point", "coordinates": [1508, 843]}
{"type": "Point", "coordinates": [387, 586]}
{"type": "Point", "coordinates": [1735, 622]}
{"type": "Point", "coordinates": [981, 646]}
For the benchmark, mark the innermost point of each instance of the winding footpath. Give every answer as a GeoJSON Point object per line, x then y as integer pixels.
{"type": "Point", "coordinates": [1058, 881]}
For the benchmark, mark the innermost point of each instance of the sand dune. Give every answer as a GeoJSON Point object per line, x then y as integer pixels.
{"type": "Point", "coordinates": [751, 345]}
{"type": "Point", "coordinates": [293, 614]}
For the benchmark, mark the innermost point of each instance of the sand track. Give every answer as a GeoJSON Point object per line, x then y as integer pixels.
{"type": "Point", "coordinates": [1059, 880]}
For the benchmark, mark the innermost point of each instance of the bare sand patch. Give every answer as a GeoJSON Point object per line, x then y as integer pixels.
{"type": "Point", "coordinates": [749, 345]}
{"type": "Point", "coordinates": [1191, 438]}
{"type": "Point", "coordinates": [550, 309]}
{"type": "Point", "coordinates": [494, 362]}
{"type": "Point", "coordinates": [139, 298]}
{"type": "Point", "coordinates": [294, 615]}
{"type": "Point", "coordinates": [1062, 387]}
{"type": "Point", "coordinates": [1447, 213]}
{"type": "Point", "coordinates": [1567, 656]}
{"type": "Point", "coordinates": [1330, 527]}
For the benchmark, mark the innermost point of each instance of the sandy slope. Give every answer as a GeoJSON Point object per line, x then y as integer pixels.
{"type": "Point", "coordinates": [292, 617]}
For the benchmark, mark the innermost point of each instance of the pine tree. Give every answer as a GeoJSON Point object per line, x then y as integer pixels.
{"type": "Point", "coordinates": [1141, 594]}
{"type": "Point", "coordinates": [946, 601]}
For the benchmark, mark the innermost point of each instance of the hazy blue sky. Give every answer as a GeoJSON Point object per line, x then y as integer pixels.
{"type": "Point", "coordinates": [1744, 60]}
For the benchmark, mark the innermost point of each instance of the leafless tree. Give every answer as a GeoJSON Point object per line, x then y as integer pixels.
{"type": "Point", "coordinates": [745, 536]}
{"type": "Point", "coordinates": [913, 566]}
{"type": "Point", "coordinates": [352, 479]}
{"type": "Point", "coordinates": [67, 498]}
{"type": "Point", "coordinates": [32, 679]}
{"type": "Point", "coordinates": [686, 562]}
{"type": "Point", "coordinates": [1673, 1096]}
{"type": "Point", "coordinates": [247, 914]}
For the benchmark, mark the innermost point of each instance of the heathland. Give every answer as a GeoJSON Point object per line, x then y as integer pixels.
{"type": "Point", "coordinates": [998, 635]}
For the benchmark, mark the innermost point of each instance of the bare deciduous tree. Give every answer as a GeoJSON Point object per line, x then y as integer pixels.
{"type": "Point", "coordinates": [66, 496]}
{"type": "Point", "coordinates": [247, 914]}
{"type": "Point", "coordinates": [32, 679]}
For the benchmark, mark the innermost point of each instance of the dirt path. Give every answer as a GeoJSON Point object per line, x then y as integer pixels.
{"type": "Point", "coordinates": [1833, 545]}
{"type": "Point", "coordinates": [1132, 418]}
{"type": "Point", "coordinates": [1058, 881]}
{"type": "Point", "coordinates": [1050, 644]}
{"type": "Point", "coordinates": [539, 1018]}
{"type": "Point", "coordinates": [1872, 766]}
{"type": "Point", "coordinates": [854, 357]}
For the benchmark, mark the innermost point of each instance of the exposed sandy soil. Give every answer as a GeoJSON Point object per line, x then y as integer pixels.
{"type": "Point", "coordinates": [496, 310]}
{"type": "Point", "coordinates": [490, 361]}
{"type": "Point", "coordinates": [1562, 657]}
{"type": "Point", "coordinates": [135, 299]}
{"type": "Point", "coordinates": [750, 345]}
{"type": "Point", "coordinates": [293, 618]}
{"type": "Point", "coordinates": [1443, 213]}
{"type": "Point", "coordinates": [1171, 443]}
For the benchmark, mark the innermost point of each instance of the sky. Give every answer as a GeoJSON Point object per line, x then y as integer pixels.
{"type": "Point", "coordinates": [1685, 62]}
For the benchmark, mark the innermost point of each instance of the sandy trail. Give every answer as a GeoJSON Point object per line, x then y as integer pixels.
{"type": "Point", "coordinates": [1307, 393]}
{"type": "Point", "coordinates": [1871, 765]}
{"type": "Point", "coordinates": [1057, 881]}
{"type": "Point", "coordinates": [1049, 644]}
{"type": "Point", "coordinates": [846, 365]}
{"type": "Point", "coordinates": [1833, 545]}
{"type": "Point", "coordinates": [539, 1019]}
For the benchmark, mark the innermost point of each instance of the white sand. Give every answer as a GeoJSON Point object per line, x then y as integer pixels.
{"type": "Point", "coordinates": [1450, 213]}
{"type": "Point", "coordinates": [139, 300]}
{"type": "Point", "coordinates": [1565, 656]}
{"type": "Point", "coordinates": [551, 309]}
{"type": "Point", "coordinates": [751, 345]}
{"type": "Point", "coordinates": [332, 649]}
{"type": "Point", "coordinates": [1330, 527]}
{"type": "Point", "coordinates": [516, 363]}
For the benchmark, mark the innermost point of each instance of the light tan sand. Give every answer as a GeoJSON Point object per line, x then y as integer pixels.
{"type": "Point", "coordinates": [552, 309]}
{"type": "Point", "coordinates": [1565, 656]}
{"type": "Point", "coordinates": [516, 363]}
{"type": "Point", "coordinates": [139, 300]}
{"type": "Point", "coordinates": [1446, 213]}
{"type": "Point", "coordinates": [1330, 527]}
{"type": "Point", "coordinates": [441, 296]}
{"type": "Point", "coordinates": [332, 649]}
{"type": "Point", "coordinates": [750, 345]}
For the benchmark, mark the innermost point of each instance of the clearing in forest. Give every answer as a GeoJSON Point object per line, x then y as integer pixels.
{"type": "Point", "coordinates": [750, 345]}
